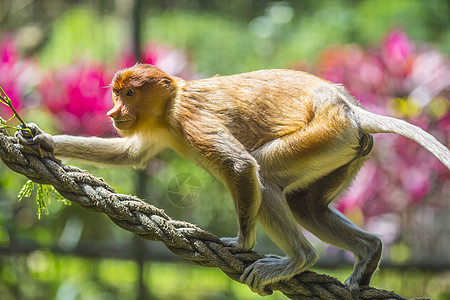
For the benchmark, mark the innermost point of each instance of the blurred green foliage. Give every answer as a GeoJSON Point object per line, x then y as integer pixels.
{"type": "Point", "coordinates": [43, 275]}
{"type": "Point", "coordinates": [81, 32]}
{"type": "Point", "coordinates": [225, 45]}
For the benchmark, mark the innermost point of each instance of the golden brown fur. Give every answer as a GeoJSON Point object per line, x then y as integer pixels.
{"type": "Point", "coordinates": [248, 106]}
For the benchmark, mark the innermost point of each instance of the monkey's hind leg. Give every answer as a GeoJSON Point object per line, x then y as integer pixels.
{"type": "Point", "coordinates": [278, 222]}
{"type": "Point", "coordinates": [310, 209]}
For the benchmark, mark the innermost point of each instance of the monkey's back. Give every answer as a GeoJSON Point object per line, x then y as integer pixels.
{"type": "Point", "coordinates": [255, 107]}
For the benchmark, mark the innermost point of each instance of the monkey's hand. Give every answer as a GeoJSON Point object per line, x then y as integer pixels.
{"type": "Point", "coordinates": [37, 140]}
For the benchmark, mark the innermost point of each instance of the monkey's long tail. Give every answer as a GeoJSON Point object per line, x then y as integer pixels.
{"type": "Point", "coordinates": [373, 123]}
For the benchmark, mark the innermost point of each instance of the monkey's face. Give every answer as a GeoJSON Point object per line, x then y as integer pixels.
{"type": "Point", "coordinates": [124, 114]}
{"type": "Point", "coordinates": [141, 95]}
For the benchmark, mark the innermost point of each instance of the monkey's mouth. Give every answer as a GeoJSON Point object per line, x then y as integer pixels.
{"type": "Point", "coordinates": [124, 124]}
{"type": "Point", "coordinates": [123, 121]}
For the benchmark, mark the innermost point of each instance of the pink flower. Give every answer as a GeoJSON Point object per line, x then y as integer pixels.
{"type": "Point", "coordinates": [429, 76]}
{"type": "Point", "coordinates": [444, 124]}
{"type": "Point", "coordinates": [397, 48]}
{"type": "Point", "coordinates": [400, 172]}
{"type": "Point", "coordinates": [172, 61]}
{"type": "Point", "coordinates": [79, 97]}
{"type": "Point", "coordinates": [8, 51]}
{"type": "Point", "coordinates": [17, 75]}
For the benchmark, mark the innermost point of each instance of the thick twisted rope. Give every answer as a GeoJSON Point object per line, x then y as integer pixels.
{"type": "Point", "coordinates": [151, 223]}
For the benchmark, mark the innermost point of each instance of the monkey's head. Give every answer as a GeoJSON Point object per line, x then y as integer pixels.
{"type": "Point", "coordinates": [140, 95]}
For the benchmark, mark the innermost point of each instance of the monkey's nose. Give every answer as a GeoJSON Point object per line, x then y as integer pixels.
{"type": "Point", "coordinates": [114, 112]}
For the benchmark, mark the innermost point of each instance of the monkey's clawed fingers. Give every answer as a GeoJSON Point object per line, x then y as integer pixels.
{"type": "Point", "coordinates": [229, 241]}
{"type": "Point", "coordinates": [237, 243]}
{"type": "Point", "coordinates": [37, 139]}
{"type": "Point", "coordinates": [265, 271]}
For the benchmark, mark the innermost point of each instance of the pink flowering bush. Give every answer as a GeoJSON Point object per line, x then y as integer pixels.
{"type": "Point", "coordinates": [79, 96]}
{"type": "Point", "coordinates": [406, 81]}
{"type": "Point", "coordinates": [17, 76]}
{"type": "Point", "coordinates": [172, 61]}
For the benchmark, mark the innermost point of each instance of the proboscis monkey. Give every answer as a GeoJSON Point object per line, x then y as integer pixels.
{"type": "Point", "coordinates": [284, 142]}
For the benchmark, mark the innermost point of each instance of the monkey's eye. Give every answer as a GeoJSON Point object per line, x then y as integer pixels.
{"type": "Point", "coordinates": [130, 92]}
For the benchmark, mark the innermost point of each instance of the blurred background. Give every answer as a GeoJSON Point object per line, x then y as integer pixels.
{"type": "Point", "coordinates": [57, 58]}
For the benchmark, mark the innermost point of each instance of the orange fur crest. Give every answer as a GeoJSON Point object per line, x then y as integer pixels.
{"type": "Point", "coordinates": [136, 76]}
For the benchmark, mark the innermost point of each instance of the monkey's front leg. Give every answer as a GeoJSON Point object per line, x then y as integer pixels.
{"type": "Point", "coordinates": [245, 188]}
{"type": "Point", "coordinates": [109, 151]}
{"type": "Point", "coordinates": [225, 157]}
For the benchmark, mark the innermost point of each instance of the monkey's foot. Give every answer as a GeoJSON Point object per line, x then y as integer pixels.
{"type": "Point", "coordinates": [351, 285]}
{"type": "Point", "coordinates": [268, 270]}
{"type": "Point", "coordinates": [237, 243]}
{"type": "Point", "coordinates": [365, 266]}
{"type": "Point", "coordinates": [357, 279]}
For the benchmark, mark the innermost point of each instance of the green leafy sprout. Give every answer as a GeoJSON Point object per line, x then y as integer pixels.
{"type": "Point", "coordinates": [44, 192]}
{"type": "Point", "coordinates": [4, 99]}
